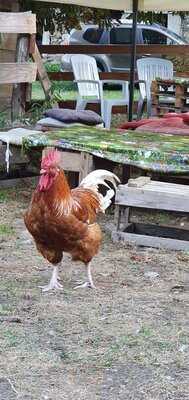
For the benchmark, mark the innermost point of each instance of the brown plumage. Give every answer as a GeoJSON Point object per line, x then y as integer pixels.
{"type": "Point", "coordinates": [63, 220]}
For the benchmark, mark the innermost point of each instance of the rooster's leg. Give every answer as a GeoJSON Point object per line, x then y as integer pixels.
{"type": "Point", "coordinates": [53, 284]}
{"type": "Point", "coordinates": [89, 282]}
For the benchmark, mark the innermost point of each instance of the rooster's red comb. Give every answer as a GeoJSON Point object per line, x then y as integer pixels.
{"type": "Point", "coordinates": [51, 159]}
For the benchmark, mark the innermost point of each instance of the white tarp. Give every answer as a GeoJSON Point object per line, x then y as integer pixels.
{"type": "Point", "coordinates": [144, 5]}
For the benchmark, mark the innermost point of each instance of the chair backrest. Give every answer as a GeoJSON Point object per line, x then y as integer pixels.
{"type": "Point", "coordinates": [85, 68]}
{"type": "Point", "coordinates": [150, 68]}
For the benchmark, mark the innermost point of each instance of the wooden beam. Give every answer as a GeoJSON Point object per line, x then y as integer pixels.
{"type": "Point", "coordinates": [90, 106]}
{"type": "Point", "coordinates": [17, 22]}
{"type": "Point", "coordinates": [155, 195]}
{"type": "Point", "coordinates": [155, 49]}
{"type": "Point", "coordinates": [41, 71]}
{"type": "Point", "coordinates": [17, 72]}
{"type": "Point", "coordinates": [9, 5]}
{"type": "Point", "coordinates": [150, 241]}
{"type": "Point", "coordinates": [68, 76]}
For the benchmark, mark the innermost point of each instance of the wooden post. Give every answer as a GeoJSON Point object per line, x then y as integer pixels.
{"type": "Point", "coordinates": [20, 89]}
{"type": "Point", "coordinates": [42, 73]}
{"type": "Point", "coordinates": [179, 93]}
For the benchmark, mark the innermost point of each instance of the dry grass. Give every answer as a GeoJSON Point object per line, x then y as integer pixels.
{"type": "Point", "coordinates": [127, 340]}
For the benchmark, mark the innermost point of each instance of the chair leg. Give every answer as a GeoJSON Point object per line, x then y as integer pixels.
{"type": "Point", "coordinates": [81, 104]}
{"type": "Point", "coordinates": [108, 116]}
{"type": "Point", "coordinates": [102, 110]}
{"type": "Point", "coordinates": [140, 108]}
{"type": "Point", "coordinates": [149, 108]}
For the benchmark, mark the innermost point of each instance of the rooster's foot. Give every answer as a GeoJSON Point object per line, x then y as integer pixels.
{"type": "Point", "coordinates": [51, 286]}
{"type": "Point", "coordinates": [85, 285]}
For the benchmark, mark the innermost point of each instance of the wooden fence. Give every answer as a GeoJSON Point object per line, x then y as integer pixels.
{"type": "Point", "coordinates": [153, 50]}
{"type": "Point", "coordinates": [17, 40]}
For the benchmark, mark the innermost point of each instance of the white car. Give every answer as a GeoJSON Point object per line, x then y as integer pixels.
{"type": "Point", "coordinates": [122, 34]}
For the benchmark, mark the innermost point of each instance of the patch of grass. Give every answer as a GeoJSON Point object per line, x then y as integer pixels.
{"type": "Point", "coordinates": [68, 91]}
{"type": "Point", "coordinates": [4, 196]}
{"type": "Point", "coordinates": [11, 339]}
{"type": "Point", "coordinates": [6, 230]}
{"type": "Point", "coordinates": [5, 309]}
{"type": "Point", "coordinates": [145, 332]}
{"type": "Point", "coordinates": [164, 345]}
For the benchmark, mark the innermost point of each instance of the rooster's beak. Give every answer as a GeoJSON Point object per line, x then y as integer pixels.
{"type": "Point", "coordinates": [42, 171]}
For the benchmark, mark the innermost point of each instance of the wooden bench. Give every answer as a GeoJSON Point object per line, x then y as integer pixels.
{"type": "Point", "coordinates": [144, 193]}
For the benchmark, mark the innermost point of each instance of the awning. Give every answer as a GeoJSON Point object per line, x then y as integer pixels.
{"type": "Point", "coordinates": [144, 5]}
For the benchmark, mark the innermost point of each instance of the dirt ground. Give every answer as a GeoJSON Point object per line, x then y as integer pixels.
{"type": "Point", "coordinates": [127, 340]}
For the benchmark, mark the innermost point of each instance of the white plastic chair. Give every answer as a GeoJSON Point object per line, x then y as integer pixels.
{"type": "Point", "coordinates": [149, 69]}
{"type": "Point", "coordinates": [90, 87]}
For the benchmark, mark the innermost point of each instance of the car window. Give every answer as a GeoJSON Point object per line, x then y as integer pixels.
{"type": "Point", "coordinates": [93, 35]}
{"type": "Point", "coordinates": [121, 36]}
{"type": "Point", "coordinates": [153, 37]}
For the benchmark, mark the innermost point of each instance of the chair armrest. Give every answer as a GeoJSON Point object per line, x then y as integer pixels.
{"type": "Point", "coordinates": [116, 81]}
{"type": "Point", "coordinates": [98, 83]}
{"type": "Point", "coordinates": [86, 81]}
{"type": "Point", "coordinates": [140, 81]}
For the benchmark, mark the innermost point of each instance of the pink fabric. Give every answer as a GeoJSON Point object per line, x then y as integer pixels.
{"type": "Point", "coordinates": [166, 130]}
{"type": "Point", "coordinates": [171, 123]}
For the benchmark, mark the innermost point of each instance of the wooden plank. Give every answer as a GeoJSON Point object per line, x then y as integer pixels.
{"type": "Point", "coordinates": [167, 187]}
{"type": "Point", "coordinates": [153, 198]}
{"type": "Point", "coordinates": [69, 160]}
{"type": "Point", "coordinates": [41, 71]}
{"type": "Point", "coordinates": [17, 22]}
{"type": "Point", "coordinates": [32, 43]}
{"type": "Point", "coordinates": [139, 182]}
{"type": "Point", "coordinates": [95, 107]}
{"type": "Point", "coordinates": [7, 54]}
{"type": "Point", "coordinates": [86, 165]}
{"type": "Point", "coordinates": [184, 74]}
{"type": "Point", "coordinates": [17, 72]}
{"type": "Point", "coordinates": [68, 76]}
{"type": "Point", "coordinates": [155, 49]}
{"type": "Point", "coordinates": [74, 161]}
{"type": "Point", "coordinates": [162, 187]}
{"type": "Point", "coordinates": [90, 106]}
{"type": "Point", "coordinates": [9, 5]}
{"type": "Point", "coordinates": [150, 241]}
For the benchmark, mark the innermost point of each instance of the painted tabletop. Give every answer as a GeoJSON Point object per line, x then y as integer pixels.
{"type": "Point", "coordinates": [149, 151]}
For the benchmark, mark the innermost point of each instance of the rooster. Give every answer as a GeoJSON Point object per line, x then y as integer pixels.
{"type": "Point", "coordinates": [61, 219]}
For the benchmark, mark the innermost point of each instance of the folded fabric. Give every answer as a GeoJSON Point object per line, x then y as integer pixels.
{"type": "Point", "coordinates": [169, 130]}
{"type": "Point", "coordinates": [15, 135]}
{"type": "Point", "coordinates": [170, 123]}
{"type": "Point", "coordinates": [86, 117]}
